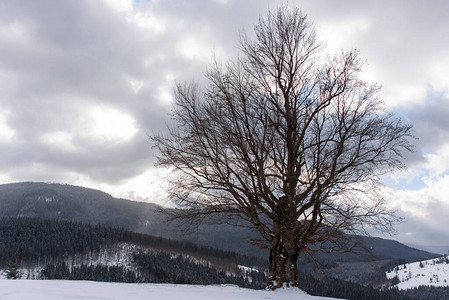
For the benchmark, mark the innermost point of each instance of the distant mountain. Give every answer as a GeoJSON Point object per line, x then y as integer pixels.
{"type": "Point", "coordinates": [433, 249]}
{"type": "Point", "coordinates": [74, 203]}
{"type": "Point", "coordinates": [37, 248]}
{"type": "Point", "coordinates": [391, 249]}
{"type": "Point", "coordinates": [66, 202]}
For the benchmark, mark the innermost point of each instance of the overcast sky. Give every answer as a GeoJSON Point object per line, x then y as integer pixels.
{"type": "Point", "coordinates": [83, 83]}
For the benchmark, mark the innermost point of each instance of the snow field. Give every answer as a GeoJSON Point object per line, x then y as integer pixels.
{"type": "Point", "coordinates": [432, 272]}
{"type": "Point", "coordinates": [89, 290]}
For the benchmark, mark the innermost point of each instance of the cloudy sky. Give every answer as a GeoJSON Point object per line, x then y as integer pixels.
{"type": "Point", "coordinates": [83, 83]}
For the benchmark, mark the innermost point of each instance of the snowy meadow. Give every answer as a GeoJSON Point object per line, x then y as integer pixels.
{"type": "Point", "coordinates": [89, 290]}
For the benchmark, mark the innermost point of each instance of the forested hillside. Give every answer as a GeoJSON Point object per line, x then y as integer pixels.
{"type": "Point", "coordinates": [50, 249]}
{"type": "Point", "coordinates": [66, 202]}
{"type": "Point", "coordinates": [102, 212]}
{"type": "Point", "coordinates": [70, 250]}
{"type": "Point", "coordinates": [37, 239]}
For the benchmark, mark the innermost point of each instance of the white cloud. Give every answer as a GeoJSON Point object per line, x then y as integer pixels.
{"type": "Point", "coordinates": [148, 186]}
{"type": "Point", "coordinates": [136, 84]}
{"type": "Point", "coordinates": [340, 34]}
{"type": "Point", "coordinates": [192, 47]}
{"type": "Point", "coordinates": [150, 21]}
{"type": "Point", "coordinates": [120, 5]}
{"type": "Point", "coordinates": [437, 163]}
{"type": "Point", "coordinates": [107, 124]}
{"type": "Point", "coordinates": [438, 76]}
{"type": "Point", "coordinates": [421, 196]}
{"type": "Point", "coordinates": [60, 140]}
{"type": "Point", "coordinates": [6, 132]}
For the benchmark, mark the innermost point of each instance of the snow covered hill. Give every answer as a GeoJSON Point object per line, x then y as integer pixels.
{"type": "Point", "coordinates": [83, 290]}
{"type": "Point", "coordinates": [432, 272]}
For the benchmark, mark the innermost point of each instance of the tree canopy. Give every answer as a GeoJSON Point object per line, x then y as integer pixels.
{"type": "Point", "coordinates": [287, 139]}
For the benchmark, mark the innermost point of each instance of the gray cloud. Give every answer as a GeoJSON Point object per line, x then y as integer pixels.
{"type": "Point", "coordinates": [62, 61]}
{"type": "Point", "coordinates": [431, 120]}
{"type": "Point", "coordinates": [429, 230]}
{"type": "Point", "coordinates": [61, 58]}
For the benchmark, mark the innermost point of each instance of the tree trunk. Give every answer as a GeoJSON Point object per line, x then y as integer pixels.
{"type": "Point", "coordinates": [283, 265]}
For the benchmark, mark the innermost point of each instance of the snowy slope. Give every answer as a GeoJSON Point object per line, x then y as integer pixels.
{"type": "Point", "coordinates": [432, 272]}
{"type": "Point", "coordinates": [83, 290]}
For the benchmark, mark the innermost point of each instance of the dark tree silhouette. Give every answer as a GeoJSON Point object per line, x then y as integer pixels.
{"type": "Point", "coordinates": [13, 269]}
{"type": "Point", "coordinates": [290, 141]}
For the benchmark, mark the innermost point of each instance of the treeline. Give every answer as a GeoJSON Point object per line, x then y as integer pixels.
{"type": "Point", "coordinates": [428, 293]}
{"type": "Point", "coordinates": [155, 268]}
{"type": "Point", "coordinates": [336, 288]}
{"type": "Point", "coordinates": [35, 240]}
{"type": "Point", "coordinates": [161, 268]}
{"type": "Point", "coordinates": [54, 244]}
{"type": "Point", "coordinates": [41, 240]}
{"type": "Point", "coordinates": [90, 272]}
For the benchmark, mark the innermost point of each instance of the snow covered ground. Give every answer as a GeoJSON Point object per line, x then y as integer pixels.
{"type": "Point", "coordinates": [89, 290]}
{"type": "Point", "coordinates": [432, 272]}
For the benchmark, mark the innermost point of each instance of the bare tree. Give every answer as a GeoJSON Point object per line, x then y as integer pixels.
{"type": "Point", "coordinates": [287, 140]}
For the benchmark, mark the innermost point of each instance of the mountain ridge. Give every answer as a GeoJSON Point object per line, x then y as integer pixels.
{"type": "Point", "coordinates": [54, 249]}
{"type": "Point", "coordinates": [67, 202]}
